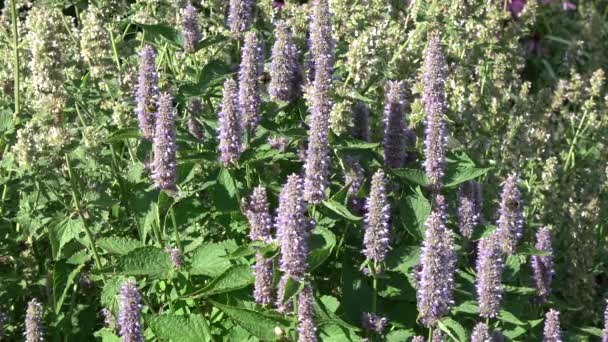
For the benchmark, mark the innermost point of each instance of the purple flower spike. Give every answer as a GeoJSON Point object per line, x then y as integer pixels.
{"type": "Point", "coordinates": [258, 215]}
{"type": "Point", "coordinates": [240, 16]}
{"type": "Point", "coordinates": [129, 313]}
{"type": "Point", "coordinates": [489, 276]}
{"type": "Point", "coordinates": [34, 329]}
{"type": "Point", "coordinates": [285, 76]}
{"type": "Point", "coordinates": [418, 339]}
{"type": "Point", "coordinates": [108, 319]}
{"type": "Point", "coordinates": [252, 67]}
{"type": "Point", "coordinates": [230, 126]}
{"type": "Point", "coordinates": [395, 126]}
{"type": "Point", "coordinates": [438, 259]}
{"type": "Point", "coordinates": [307, 331]}
{"type": "Point", "coordinates": [287, 306]}
{"type": "Point", "coordinates": [605, 333]}
{"type": "Point", "coordinates": [438, 336]}
{"type": "Point", "coordinates": [177, 259]}
{"type": "Point", "coordinates": [552, 331]}
{"type": "Point", "coordinates": [469, 208]}
{"type": "Point", "coordinates": [262, 287]}
{"type": "Point", "coordinates": [293, 229]}
{"type": "Point", "coordinates": [164, 166]}
{"type": "Point", "coordinates": [511, 219]}
{"type": "Point", "coordinates": [435, 107]}
{"type": "Point", "coordinates": [195, 108]}
{"type": "Point", "coordinates": [377, 230]}
{"type": "Point", "coordinates": [543, 265]}
{"type": "Point", "coordinates": [191, 30]}
{"type": "Point", "coordinates": [355, 177]}
{"type": "Point", "coordinates": [481, 333]}
{"type": "Point", "coordinates": [147, 92]}
{"type": "Point", "coordinates": [374, 323]}
{"type": "Point", "coordinates": [321, 40]}
{"type": "Point", "coordinates": [360, 129]}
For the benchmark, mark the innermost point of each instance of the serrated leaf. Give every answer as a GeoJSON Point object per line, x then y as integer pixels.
{"type": "Point", "coordinates": [256, 322]}
{"type": "Point", "coordinates": [403, 258]}
{"type": "Point", "coordinates": [235, 278]}
{"type": "Point", "coordinates": [64, 232]}
{"type": "Point", "coordinates": [177, 328]}
{"type": "Point", "coordinates": [333, 332]}
{"type": "Point", "coordinates": [146, 261]}
{"type": "Point", "coordinates": [119, 245]}
{"type": "Point", "coordinates": [461, 168]}
{"type": "Point", "coordinates": [135, 173]}
{"type": "Point", "coordinates": [107, 335]}
{"type": "Point", "coordinates": [454, 329]}
{"type": "Point", "coordinates": [416, 209]}
{"type": "Point", "coordinates": [399, 335]}
{"type": "Point", "coordinates": [330, 303]}
{"type": "Point", "coordinates": [414, 176]}
{"type": "Point", "coordinates": [209, 259]}
{"type": "Point", "coordinates": [322, 242]}
{"type": "Point", "coordinates": [340, 210]}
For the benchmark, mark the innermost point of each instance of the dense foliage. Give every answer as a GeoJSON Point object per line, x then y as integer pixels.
{"type": "Point", "coordinates": [333, 170]}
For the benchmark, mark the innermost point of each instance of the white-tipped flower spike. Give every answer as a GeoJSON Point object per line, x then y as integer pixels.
{"type": "Point", "coordinates": [195, 108]}
{"type": "Point", "coordinates": [481, 333]}
{"type": "Point", "coordinates": [96, 48]}
{"type": "Point", "coordinates": [285, 77]}
{"type": "Point", "coordinates": [469, 208]}
{"type": "Point", "coordinates": [34, 329]}
{"type": "Point", "coordinates": [552, 331]}
{"type": "Point", "coordinates": [542, 266]}
{"type": "Point", "coordinates": [489, 276]}
{"type": "Point", "coordinates": [129, 313]}
{"type": "Point", "coordinates": [191, 30]}
{"type": "Point", "coordinates": [377, 230]}
{"type": "Point", "coordinates": [252, 67]}
{"type": "Point", "coordinates": [435, 106]}
{"type": "Point", "coordinates": [146, 96]}
{"type": "Point", "coordinates": [395, 126]}
{"type": "Point", "coordinates": [164, 167]}
{"type": "Point", "coordinates": [240, 16]}
{"type": "Point", "coordinates": [307, 331]}
{"type": "Point", "coordinates": [436, 287]}
{"type": "Point", "coordinates": [262, 286]}
{"type": "Point", "coordinates": [511, 218]}
{"type": "Point", "coordinates": [605, 332]}
{"type": "Point", "coordinates": [230, 126]}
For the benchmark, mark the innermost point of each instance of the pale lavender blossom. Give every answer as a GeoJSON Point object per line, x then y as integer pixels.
{"type": "Point", "coordinates": [285, 76]}
{"type": "Point", "coordinates": [34, 328]}
{"type": "Point", "coordinates": [146, 95]}
{"type": "Point", "coordinates": [418, 338]}
{"type": "Point", "coordinates": [278, 143]}
{"type": "Point", "coordinates": [129, 313]}
{"type": "Point", "coordinates": [240, 16]}
{"type": "Point", "coordinates": [191, 30]}
{"type": "Point", "coordinates": [377, 230]}
{"type": "Point", "coordinates": [258, 215]}
{"type": "Point", "coordinates": [251, 69]}
{"type": "Point", "coordinates": [177, 259]}
{"type": "Point", "coordinates": [374, 323]}
{"type": "Point", "coordinates": [481, 333]}
{"type": "Point", "coordinates": [438, 258]}
{"type": "Point", "coordinates": [108, 319]}
{"type": "Point", "coordinates": [164, 166]}
{"type": "Point", "coordinates": [307, 331]}
{"type": "Point", "coordinates": [489, 270]}
{"type": "Point", "coordinates": [293, 229]}
{"type": "Point", "coordinates": [360, 129]}
{"type": "Point", "coordinates": [469, 208]}
{"type": "Point", "coordinates": [195, 108]}
{"type": "Point", "coordinates": [230, 126]}
{"type": "Point", "coordinates": [355, 177]}
{"type": "Point", "coordinates": [511, 219]}
{"type": "Point", "coordinates": [438, 336]}
{"type": "Point", "coordinates": [395, 126]}
{"type": "Point", "coordinates": [321, 41]}
{"type": "Point", "coordinates": [542, 266]}
{"type": "Point", "coordinates": [262, 286]}
{"type": "Point", "coordinates": [435, 107]}
{"type": "Point", "coordinates": [552, 331]}
{"type": "Point", "coordinates": [605, 332]}
{"type": "Point", "coordinates": [3, 321]}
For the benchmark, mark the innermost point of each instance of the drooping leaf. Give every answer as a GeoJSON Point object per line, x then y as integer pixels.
{"type": "Point", "coordinates": [340, 210]}
{"type": "Point", "coordinates": [235, 278]}
{"type": "Point", "coordinates": [119, 245]}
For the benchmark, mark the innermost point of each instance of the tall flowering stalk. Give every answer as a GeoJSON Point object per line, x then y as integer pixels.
{"type": "Point", "coordinates": [435, 107]}
{"type": "Point", "coordinates": [177, 259]}
{"type": "Point", "coordinates": [438, 260]}
{"type": "Point", "coordinates": [147, 92]}
{"type": "Point", "coordinates": [95, 44]}
{"type": "Point", "coordinates": [164, 166]}
{"type": "Point", "coordinates": [230, 126]}
{"type": "Point", "coordinates": [306, 325]}
{"type": "Point", "coordinates": [360, 129]}
{"type": "Point", "coordinates": [552, 331]}
{"type": "Point", "coordinates": [240, 16]}
{"type": "Point", "coordinates": [195, 108]}
{"type": "Point", "coordinates": [285, 76]}
{"type": "Point", "coordinates": [469, 208]}
{"type": "Point", "coordinates": [511, 219]}
{"type": "Point", "coordinates": [191, 30]}
{"type": "Point", "coordinates": [260, 223]}
{"type": "Point", "coordinates": [542, 266]}
{"type": "Point", "coordinates": [377, 230]}
{"type": "Point", "coordinates": [605, 332]}
{"type": "Point", "coordinates": [129, 313]}
{"type": "Point", "coordinates": [34, 329]}
{"type": "Point", "coordinates": [355, 177]}
{"type": "Point", "coordinates": [316, 166]}
{"type": "Point", "coordinates": [489, 269]}
{"type": "Point", "coordinates": [481, 333]}
{"type": "Point", "coordinates": [395, 126]}
{"type": "Point", "coordinates": [252, 66]}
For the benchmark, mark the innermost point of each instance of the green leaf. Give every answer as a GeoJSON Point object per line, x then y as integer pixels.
{"type": "Point", "coordinates": [330, 303]}
{"type": "Point", "coordinates": [399, 335]}
{"type": "Point", "coordinates": [591, 331]}
{"type": "Point", "coordinates": [414, 176]}
{"type": "Point", "coordinates": [451, 327]}
{"type": "Point", "coordinates": [467, 307]}
{"type": "Point", "coordinates": [529, 250]}
{"type": "Point", "coordinates": [119, 245]}
{"type": "Point", "coordinates": [63, 278]}
{"type": "Point", "coordinates": [64, 232]}
{"type": "Point", "coordinates": [125, 133]}
{"type": "Point", "coordinates": [322, 242]}
{"type": "Point", "coordinates": [257, 322]}
{"type": "Point", "coordinates": [508, 317]}
{"type": "Point", "coordinates": [415, 210]}
{"type": "Point", "coordinates": [333, 332]}
{"type": "Point", "coordinates": [107, 335]}
{"type": "Point", "coordinates": [146, 261]}
{"type": "Point", "coordinates": [340, 210]}
{"type": "Point", "coordinates": [209, 259]}
{"type": "Point", "coordinates": [178, 328]}
{"type": "Point", "coordinates": [235, 278]}
{"type": "Point", "coordinates": [482, 232]}
{"type": "Point", "coordinates": [292, 288]}
{"type": "Point", "coordinates": [167, 32]}
{"type": "Point", "coordinates": [460, 169]}
{"type": "Point", "coordinates": [403, 259]}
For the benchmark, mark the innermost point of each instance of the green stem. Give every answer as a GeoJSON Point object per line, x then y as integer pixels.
{"type": "Point", "coordinates": [87, 229]}
{"type": "Point", "coordinates": [430, 334]}
{"type": "Point", "coordinates": [178, 241]}
{"type": "Point", "coordinates": [15, 56]}
{"type": "Point", "coordinates": [375, 285]}
{"type": "Point", "coordinates": [158, 221]}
